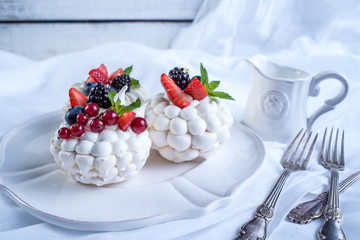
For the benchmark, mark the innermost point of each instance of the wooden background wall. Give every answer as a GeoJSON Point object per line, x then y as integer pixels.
{"type": "Point", "coordinates": [42, 28]}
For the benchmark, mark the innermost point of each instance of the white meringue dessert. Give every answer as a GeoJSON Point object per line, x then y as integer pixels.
{"type": "Point", "coordinates": [187, 124]}
{"type": "Point", "coordinates": [103, 144]}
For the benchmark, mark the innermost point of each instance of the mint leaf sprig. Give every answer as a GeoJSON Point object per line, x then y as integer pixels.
{"type": "Point", "coordinates": [121, 109]}
{"type": "Point", "coordinates": [128, 70]}
{"type": "Point", "coordinates": [134, 83]}
{"type": "Point", "coordinates": [211, 86]}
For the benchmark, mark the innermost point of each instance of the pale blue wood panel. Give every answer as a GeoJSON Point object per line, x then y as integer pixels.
{"type": "Point", "coordinates": [59, 10]}
{"type": "Point", "coordinates": [44, 40]}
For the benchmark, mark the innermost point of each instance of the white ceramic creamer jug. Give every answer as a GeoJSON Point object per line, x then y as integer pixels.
{"type": "Point", "coordinates": [277, 105]}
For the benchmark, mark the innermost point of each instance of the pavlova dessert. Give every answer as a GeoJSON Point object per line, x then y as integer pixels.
{"type": "Point", "coordinates": [103, 137]}
{"type": "Point", "coordinates": [188, 121]}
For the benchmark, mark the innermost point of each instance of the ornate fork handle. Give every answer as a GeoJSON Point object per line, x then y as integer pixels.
{"type": "Point", "coordinates": [256, 228]}
{"type": "Point", "coordinates": [331, 228]}
{"type": "Point", "coordinates": [296, 157]}
{"type": "Point", "coordinates": [307, 211]}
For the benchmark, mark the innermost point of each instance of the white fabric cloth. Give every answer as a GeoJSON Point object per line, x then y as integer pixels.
{"type": "Point", "coordinates": [309, 35]}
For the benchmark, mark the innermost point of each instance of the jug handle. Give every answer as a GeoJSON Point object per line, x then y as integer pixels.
{"type": "Point", "coordinates": [329, 104]}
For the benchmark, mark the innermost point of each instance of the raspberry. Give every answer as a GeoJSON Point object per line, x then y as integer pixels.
{"type": "Point", "coordinates": [99, 95]}
{"type": "Point", "coordinates": [180, 76]}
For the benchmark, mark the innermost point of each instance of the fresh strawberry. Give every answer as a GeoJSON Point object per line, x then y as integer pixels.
{"type": "Point", "coordinates": [103, 69]}
{"type": "Point", "coordinates": [125, 120]}
{"type": "Point", "coordinates": [176, 95]}
{"type": "Point", "coordinates": [77, 98]}
{"type": "Point", "coordinates": [90, 79]}
{"type": "Point", "coordinates": [115, 74]}
{"type": "Point", "coordinates": [98, 76]}
{"type": "Point", "coordinates": [196, 89]}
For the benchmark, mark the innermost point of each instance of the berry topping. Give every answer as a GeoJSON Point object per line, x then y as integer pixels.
{"type": "Point", "coordinates": [120, 81]}
{"type": "Point", "coordinates": [77, 129]}
{"type": "Point", "coordinates": [82, 118]}
{"type": "Point", "coordinates": [180, 76]}
{"type": "Point", "coordinates": [125, 120]}
{"type": "Point", "coordinates": [90, 79]}
{"type": "Point", "coordinates": [176, 95]}
{"type": "Point", "coordinates": [87, 87]}
{"type": "Point", "coordinates": [99, 95]}
{"type": "Point", "coordinates": [103, 69]}
{"type": "Point", "coordinates": [72, 113]}
{"type": "Point", "coordinates": [110, 117]}
{"type": "Point", "coordinates": [115, 74]}
{"type": "Point", "coordinates": [77, 98]}
{"type": "Point", "coordinates": [196, 89]}
{"type": "Point", "coordinates": [197, 76]}
{"type": "Point", "coordinates": [97, 125]}
{"type": "Point", "coordinates": [64, 133]}
{"type": "Point", "coordinates": [139, 125]}
{"type": "Point", "coordinates": [210, 86]}
{"type": "Point", "coordinates": [98, 76]}
{"type": "Point", "coordinates": [92, 109]}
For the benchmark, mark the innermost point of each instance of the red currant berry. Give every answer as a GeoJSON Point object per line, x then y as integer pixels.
{"type": "Point", "coordinates": [139, 125]}
{"type": "Point", "coordinates": [82, 118]}
{"type": "Point", "coordinates": [97, 125]}
{"type": "Point", "coordinates": [110, 117]}
{"type": "Point", "coordinates": [77, 129]}
{"type": "Point", "coordinates": [92, 109]}
{"type": "Point", "coordinates": [64, 133]}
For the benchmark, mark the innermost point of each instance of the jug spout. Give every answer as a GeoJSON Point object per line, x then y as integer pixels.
{"type": "Point", "coordinates": [271, 70]}
{"type": "Point", "coordinates": [259, 63]}
{"type": "Point", "coordinates": [252, 65]}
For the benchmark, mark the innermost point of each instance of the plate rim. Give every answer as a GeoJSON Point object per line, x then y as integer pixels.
{"type": "Point", "coordinates": [129, 224]}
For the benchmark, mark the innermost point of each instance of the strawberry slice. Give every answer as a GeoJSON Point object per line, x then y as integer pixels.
{"type": "Point", "coordinates": [196, 89]}
{"type": "Point", "coordinates": [176, 95]}
{"type": "Point", "coordinates": [103, 69]}
{"type": "Point", "coordinates": [115, 74]}
{"type": "Point", "coordinates": [90, 79]}
{"type": "Point", "coordinates": [98, 76]}
{"type": "Point", "coordinates": [77, 98]}
{"type": "Point", "coordinates": [125, 120]}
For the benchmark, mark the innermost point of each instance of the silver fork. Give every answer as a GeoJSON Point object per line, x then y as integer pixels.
{"type": "Point", "coordinates": [332, 159]}
{"type": "Point", "coordinates": [305, 212]}
{"type": "Point", "coordinates": [292, 160]}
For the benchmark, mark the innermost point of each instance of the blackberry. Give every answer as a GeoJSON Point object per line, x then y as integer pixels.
{"type": "Point", "coordinates": [180, 76]}
{"type": "Point", "coordinates": [120, 81]}
{"type": "Point", "coordinates": [99, 95]}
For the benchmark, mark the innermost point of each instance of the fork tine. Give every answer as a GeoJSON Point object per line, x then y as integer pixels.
{"type": "Point", "coordinates": [296, 149]}
{"type": "Point", "coordinates": [288, 150]}
{"type": "Point", "coordinates": [298, 160]}
{"type": "Point", "coordinates": [328, 147]}
{"type": "Point", "coordinates": [342, 150]}
{"type": "Point", "coordinates": [322, 150]}
{"type": "Point", "coordinates": [306, 161]}
{"type": "Point", "coordinates": [335, 152]}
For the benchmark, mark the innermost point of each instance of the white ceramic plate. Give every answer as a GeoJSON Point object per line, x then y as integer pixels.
{"type": "Point", "coordinates": [162, 191]}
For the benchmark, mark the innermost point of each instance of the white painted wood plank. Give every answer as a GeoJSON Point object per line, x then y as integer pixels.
{"type": "Point", "coordinates": [25, 10]}
{"type": "Point", "coordinates": [42, 40]}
